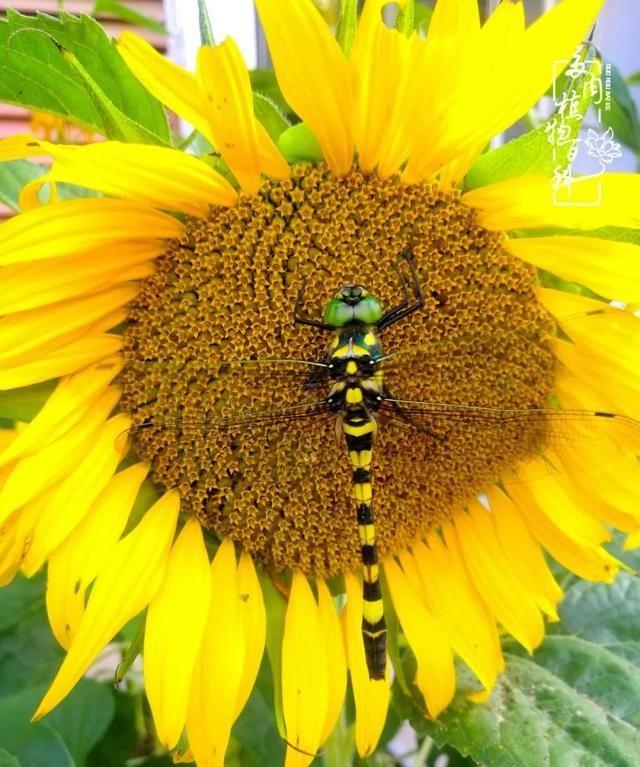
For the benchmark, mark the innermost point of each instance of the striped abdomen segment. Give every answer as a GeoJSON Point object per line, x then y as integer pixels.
{"type": "Point", "coordinates": [359, 428]}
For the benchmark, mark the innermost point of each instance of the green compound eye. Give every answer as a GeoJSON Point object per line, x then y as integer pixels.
{"type": "Point", "coordinates": [368, 310]}
{"type": "Point", "coordinates": [337, 313]}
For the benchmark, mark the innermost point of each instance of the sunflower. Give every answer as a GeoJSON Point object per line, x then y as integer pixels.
{"type": "Point", "coordinates": [136, 302]}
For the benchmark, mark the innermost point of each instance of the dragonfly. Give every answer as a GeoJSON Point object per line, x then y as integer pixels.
{"type": "Point", "coordinates": [354, 390]}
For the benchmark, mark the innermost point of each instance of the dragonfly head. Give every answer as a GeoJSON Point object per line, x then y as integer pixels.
{"type": "Point", "coordinates": [352, 303]}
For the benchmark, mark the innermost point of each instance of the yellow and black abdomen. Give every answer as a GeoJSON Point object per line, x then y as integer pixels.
{"type": "Point", "coordinates": [355, 396]}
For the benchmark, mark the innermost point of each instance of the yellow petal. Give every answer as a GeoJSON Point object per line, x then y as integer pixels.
{"type": "Point", "coordinates": [71, 500]}
{"type": "Point", "coordinates": [15, 534]}
{"type": "Point", "coordinates": [454, 600]}
{"type": "Point", "coordinates": [62, 361]}
{"type": "Point", "coordinates": [435, 677]}
{"type": "Point", "coordinates": [453, 16]}
{"type": "Point", "coordinates": [451, 49]}
{"type": "Point", "coordinates": [514, 69]}
{"type": "Point", "coordinates": [305, 680]}
{"type": "Point", "coordinates": [380, 63]}
{"type": "Point", "coordinates": [171, 84]}
{"type": "Point", "coordinates": [166, 178]}
{"type": "Point", "coordinates": [550, 494]}
{"type": "Point", "coordinates": [609, 268]}
{"type": "Point", "coordinates": [124, 587]}
{"type": "Point", "coordinates": [25, 334]}
{"type": "Point", "coordinates": [40, 283]}
{"type": "Point", "coordinates": [530, 202]}
{"type": "Point", "coordinates": [219, 668]}
{"type": "Point", "coordinates": [72, 226]}
{"type": "Point", "coordinates": [10, 550]}
{"type": "Point", "coordinates": [35, 473]}
{"type": "Point", "coordinates": [271, 161]}
{"type": "Point", "coordinates": [632, 541]}
{"type": "Point", "coordinates": [224, 82]}
{"type": "Point", "coordinates": [594, 381]}
{"type": "Point", "coordinates": [331, 632]}
{"type": "Point", "coordinates": [254, 620]}
{"type": "Point", "coordinates": [313, 75]}
{"type": "Point", "coordinates": [173, 632]}
{"type": "Point", "coordinates": [371, 696]}
{"type": "Point", "coordinates": [506, 598]}
{"type": "Point", "coordinates": [524, 554]}
{"type": "Point", "coordinates": [67, 405]}
{"type": "Point", "coordinates": [73, 566]}
{"type": "Point", "coordinates": [590, 564]}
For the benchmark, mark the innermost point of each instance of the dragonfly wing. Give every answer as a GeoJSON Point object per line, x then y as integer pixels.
{"type": "Point", "coordinates": [548, 440]}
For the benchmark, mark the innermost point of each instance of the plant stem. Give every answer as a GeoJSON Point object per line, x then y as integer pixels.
{"type": "Point", "coordinates": [423, 753]}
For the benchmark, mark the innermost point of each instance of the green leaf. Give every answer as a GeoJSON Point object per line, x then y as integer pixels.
{"type": "Point", "coordinates": [298, 144]}
{"type": "Point", "coordinates": [347, 23]}
{"type": "Point", "coordinates": [255, 729]}
{"type": "Point", "coordinates": [116, 124]}
{"type": "Point", "coordinates": [206, 30]}
{"type": "Point", "coordinates": [623, 115]}
{"type": "Point", "coordinates": [121, 739]}
{"type": "Point", "coordinates": [24, 404]}
{"type": "Point", "coordinates": [83, 718]}
{"type": "Point", "coordinates": [531, 154]}
{"type": "Point", "coordinates": [270, 116]}
{"type": "Point", "coordinates": [14, 176]}
{"type": "Point", "coordinates": [453, 758]}
{"type": "Point", "coordinates": [276, 607]}
{"type": "Point", "coordinates": [123, 12]}
{"type": "Point", "coordinates": [35, 743]}
{"type": "Point", "coordinates": [29, 655]}
{"type": "Point", "coordinates": [35, 73]}
{"type": "Point", "coordinates": [634, 79]}
{"type": "Point", "coordinates": [7, 759]}
{"type": "Point", "coordinates": [575, 701]}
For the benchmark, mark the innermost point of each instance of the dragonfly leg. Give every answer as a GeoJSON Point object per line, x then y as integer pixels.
{"type": "Point", "coordinates": [404, 309]}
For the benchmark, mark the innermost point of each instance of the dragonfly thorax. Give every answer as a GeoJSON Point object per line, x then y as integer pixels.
{"type": "Point", "coordinates": [355, 371]}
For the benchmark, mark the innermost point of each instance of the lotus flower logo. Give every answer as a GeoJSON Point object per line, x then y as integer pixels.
{"type": "Point", "coordinates": [603, 147]}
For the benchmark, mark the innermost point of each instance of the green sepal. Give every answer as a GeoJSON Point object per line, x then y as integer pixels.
{"type": "Point", "coordinates": [264, 82]}
{"type": "Point", "coordinates": [267, 113]}
{"type": "Point", "coordinates": [298, 144]}
{"type": "Point", "coordinates": [276, 607]}
{"type": "Point", "coordinates": [528, 155]}
{"type": "Point", "coordinates": [405, 21]}
{"type": "Point", "coordinates": [206, 30]}
{"type": "Point", "coordinates": [347, 24]}
{"type": "Point", "coordinates": [616, 233]}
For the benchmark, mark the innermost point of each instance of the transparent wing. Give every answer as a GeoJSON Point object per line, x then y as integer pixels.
{"type": "Point", "coordinates": [542, 440]}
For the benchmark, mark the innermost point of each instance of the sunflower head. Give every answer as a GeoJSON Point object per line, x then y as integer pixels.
{"type": "Point", "coordinates": [163, 310]}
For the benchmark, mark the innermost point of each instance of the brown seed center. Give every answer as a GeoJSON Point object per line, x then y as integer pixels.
{"type": "Point", "coordinates": [226, 292]}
